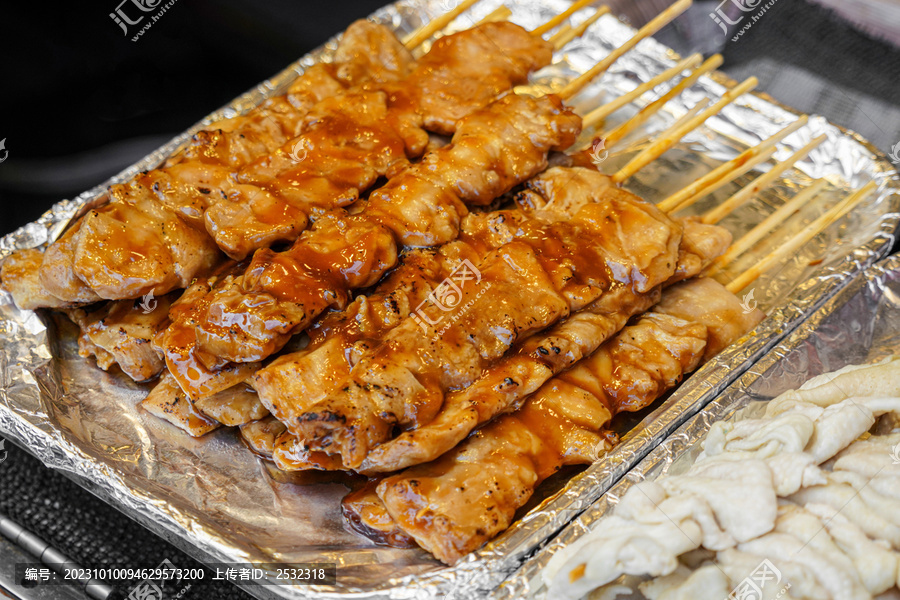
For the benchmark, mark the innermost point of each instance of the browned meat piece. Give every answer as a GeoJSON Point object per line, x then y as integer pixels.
{"type": "Point", "coordinates": [57, 272]}
{"type": "Point", "coordinates": [479, 64]}
{"type": "Point", "coordinates": [260, 435]}
{"type": "Point", "coordinates": [618, 242]}
{"type": "Point", "coordinates": [281, 293]}
{"type": "Point", "coordinates": [237, 405]}
{"type": "Point", "coordinates": [703, 301]}
{"type": "Point", "coordinates": [294, 382]}
{"type": "Point", "coordinates": [238, 140]}
{"type": "Point", "coordinates": [168, 402]}
{"type": "Point", "coordinates": [349, 141]}
{"type": "Point", "coordinates": [453, 505]}
{"type": "Point", "coordinates": [371, 52]}
{"type": "Point", "coordinates": [493, 150]}
{"type": "Point", "coordinates": [121, 333]}
{"type": "Point", "coordinates": [125, 250]}
{"type": "Point", "coordinates": [366, 514]}
{"type": "Point", "coordinates": [20, 275]}
{"type": "Point", "coordinates": [290, 454]}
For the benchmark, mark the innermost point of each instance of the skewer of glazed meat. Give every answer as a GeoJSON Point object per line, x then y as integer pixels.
{"type": "Point", "coordinates": [453, 505]}
{"type": "Point", "coordinates": [166, 210]}
{"type": "Point", "coordinates": [281, 293]}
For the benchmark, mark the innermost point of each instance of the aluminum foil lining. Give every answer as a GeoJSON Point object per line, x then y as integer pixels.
{"type": "Point", "coordinates": [860, 325]}
{"type": "Point", "coordinates": [213, 498]}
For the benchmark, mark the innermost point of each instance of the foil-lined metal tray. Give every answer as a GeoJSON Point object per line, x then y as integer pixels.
{"type": "Point", "coordinates": [860, 325]}
{"type": "Point", "coordinates": [213, 498]}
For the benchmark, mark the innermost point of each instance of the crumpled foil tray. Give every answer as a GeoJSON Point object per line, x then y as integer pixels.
{"type": "Point", "coordinates": [213, 498]}
{"type": "Point", "coordinates": [859, 325]}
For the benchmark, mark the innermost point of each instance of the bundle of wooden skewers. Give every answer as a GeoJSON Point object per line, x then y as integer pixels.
{"type": "Point", "coordinates": [379, 273]}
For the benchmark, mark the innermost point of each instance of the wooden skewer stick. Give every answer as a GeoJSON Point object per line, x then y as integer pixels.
{"type": "Point", "coordinates": [804, 236]}
{"type": "Point", "coordinates": [729, 177]}
{"type": "Point", "coordinates": [500, 13]}
{"type": "Point", "coordinates": [750, 238]}
{"type": "Point", "coordinates": [760, 183]}
{"type": "Point", "coordinates": [710, 182]}
{"type": "Point", "coordinates": [416, 38]}
{"type": "Point", "coordinates": [562, 31]}
{"type": "Point", "coordinates": [542, 29]}
{"type": "Point", "coordinates": [687, 117]}
{"type": "Point", "coordinates": [596, 116]}
{"type": "Point", "coordinates": [579, 30]}
{"type": "Point", "coordinates": [657, 23]}
{"type": "Point", "coordinates": [671, 136]}
{"type": "Point", "coordinates": [711, 64]}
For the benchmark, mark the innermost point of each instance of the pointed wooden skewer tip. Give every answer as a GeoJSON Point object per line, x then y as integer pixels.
{"type": "Point", "coordinates": [749, 239]}
{"type": "Point", "coordinates": [710, 64]}
{"type": "Point", "coordinates": [596, 116]}
{"type": "Point", "coordinates": [500, 13]}
{"type": "Point", "coordinates": [416, 38]}
{"type": "Point", "coordinates": [579, 30]}
{"type": "Point", "coordinates": [760, 183]}
{"type": "Point", "coordinates": [804, 236]}
{"type": "Point", "coordinates": [719, 176]}
{"type": "Point", "coordinates": [657, 23]}
{"type": "Point", "coordinates": [576, 6]}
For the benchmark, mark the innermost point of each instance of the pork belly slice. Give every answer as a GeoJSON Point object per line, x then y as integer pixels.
{"type": "Point", "coordinates": [169, 403]}
{"type": "Point", "coordinates": [126, 250]}
{"type": "Point", "coordinates": [121, 333]}
{"type": "Point", "coordinates": [20, 276]}
{"type": "Point", "coordinates": [260, 435]}
{"type": "Point", "coordinates": [366, 515]}
{"type": "Point", "coordinates": [234, 406]}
